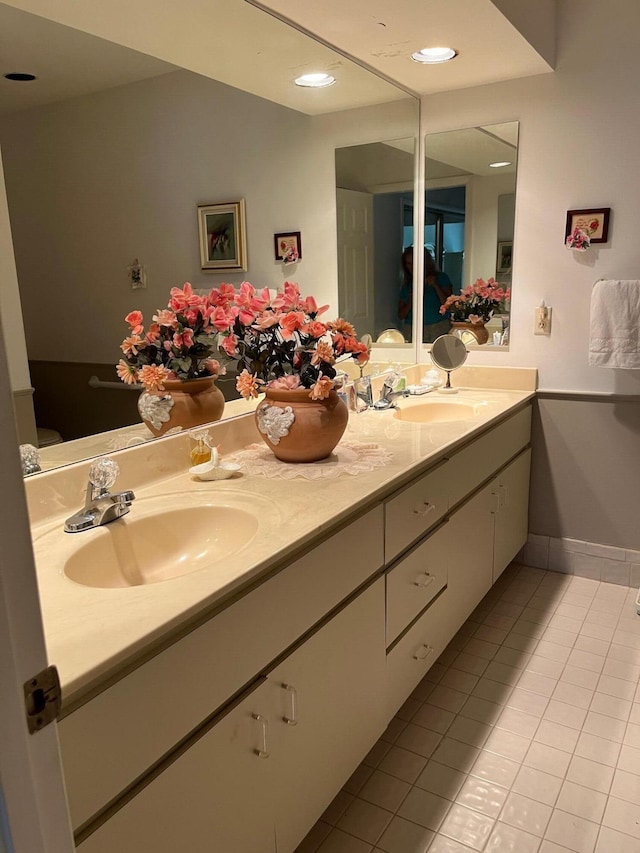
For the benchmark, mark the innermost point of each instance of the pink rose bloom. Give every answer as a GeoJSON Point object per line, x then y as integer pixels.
{"type": "Point", "coordinates": [134, 319]}
{"type": "Point", "coordinates": [212, 365]}
{"type": "Point", "coordinates": [222, 295]}
{"type": "Point", "coordinates": [153, 334]}
{"type": "Point", "coordinates": [290, 323]}
{"type": "Point", "coordinates": [221, 318]}
{"type": "Point", "coordinates": [229, 344]}
{"type": "Point", "coordinates": [322, 388]}
{"type": "Point", "coordinates": [286, 383]}
{"type": "Point", "coordinates": [185, 298]}
{"type": "Point", "coordinates": [310, 306]}
{"type": "Point", "coordinates": [267, 320]}
{"type": "Point", "coordinates": [314, 328]}
{"type": "Point", "coordinates": [165, 317]}
{"type": "Point", "coordinates": [289, 299]}
{"type": "Point", "coordinates": [183, 339]}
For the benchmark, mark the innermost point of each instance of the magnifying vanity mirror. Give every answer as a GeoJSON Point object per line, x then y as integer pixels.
{"type": "Point", "coordinates": [448, 353]}
{"type": "Point", "coordinates": [469, 230]}
{"type": "Point", "coordinates": [108, 157]}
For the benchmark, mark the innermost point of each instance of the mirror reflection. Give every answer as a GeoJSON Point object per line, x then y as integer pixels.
{"type": "Point", "coordinates": [374, 200]}
{"type": "Point", "coordinates": [469, 227]}
{"type": "Point", "coordinates": [106, 180]}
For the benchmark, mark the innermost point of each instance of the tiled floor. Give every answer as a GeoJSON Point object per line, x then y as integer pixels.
{"type": "Point", "coordinates": [523, 738]}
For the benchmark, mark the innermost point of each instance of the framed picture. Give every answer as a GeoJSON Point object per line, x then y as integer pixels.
{"type": "Point", "coordinates": [223, 243]}
{"type": "Point", "coordinates": [505, 251]}
{"type": "Point", "coordinates": [284, 242]}
{"type": "Point", "coordinates": [594, 221]}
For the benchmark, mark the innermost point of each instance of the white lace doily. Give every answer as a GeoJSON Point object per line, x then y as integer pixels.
{"type": "Point", "coordinates": [349, 457]}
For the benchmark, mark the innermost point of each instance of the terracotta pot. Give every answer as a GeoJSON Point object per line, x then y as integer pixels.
{"type": "Point", "coordinates": [181, 404]}
{"type": "Point", "coordinates": [299, 429]}
{"type": "Point", "coordinates": [477, 329]}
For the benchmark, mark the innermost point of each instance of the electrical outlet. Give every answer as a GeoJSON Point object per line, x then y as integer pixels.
{"type": "Point", "coordinates": [542, 324]}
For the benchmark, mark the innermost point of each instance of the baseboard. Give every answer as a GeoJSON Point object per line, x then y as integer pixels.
{"type": "Point", "coordinates": [582, 559]}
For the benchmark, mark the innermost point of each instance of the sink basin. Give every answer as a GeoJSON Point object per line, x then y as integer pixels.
{"type": "Point", "coordinates": [434, 412]}
{"type": "Point", "coordinates": [152, 546]}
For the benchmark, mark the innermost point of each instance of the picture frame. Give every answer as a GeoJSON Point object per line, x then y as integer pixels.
{"type": "Point", "coordinates": [505, 256]}
{"type": "Point", "coordinates": [222, 235]}
{"type": "Point", "coordinates": [593, 220]}
{"type": "Point", "coordinates": [285, 241]}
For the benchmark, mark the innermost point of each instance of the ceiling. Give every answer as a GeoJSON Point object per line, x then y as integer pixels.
{"type": "Point", "coordinates": [246, 44]}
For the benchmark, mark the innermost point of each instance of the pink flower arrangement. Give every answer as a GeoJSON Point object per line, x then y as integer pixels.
{"type": "Point", "coordinates": [280, 342]}
{"type": "Point", "coordinates": [580, 238]}
{"type": "Point", "coordinates": [477, 302]}
{"type": "Point", "coordinates": [179, 342]}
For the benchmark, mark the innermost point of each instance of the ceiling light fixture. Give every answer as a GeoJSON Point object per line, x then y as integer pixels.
{"type": "Point", "coordinates": [315, 81]}
{"type": "Point", "coordinates": [20, 77]}
{"type": "Point", "coordinates": [433, 55]}
{"type": "Point", "coordinates": [499, 164]}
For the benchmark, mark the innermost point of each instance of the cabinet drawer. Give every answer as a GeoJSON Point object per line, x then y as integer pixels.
{"type": "Point", "coordinates": [415, 509]}
{"type": "Point", "coordinates": [118, 735]}
{"type": "Point", "coordinates": [479, 460]}
{"type": "Point", "coordinates": [412, 656]}
{"type": "Point", "coordinates": [415, 580]}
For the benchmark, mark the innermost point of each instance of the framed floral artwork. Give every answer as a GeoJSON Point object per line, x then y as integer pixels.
{"type": "Point", "coordinates": [222, 232]}
{"type": "Point", "coordinates": [288, 246]}
{"type": "Point", "coordinates": [504, 260]}
{"type": "Point", "coordinates": [594, 222]}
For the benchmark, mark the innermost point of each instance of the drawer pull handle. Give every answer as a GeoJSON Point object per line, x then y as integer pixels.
{"type": "Point", "coordinates": [262, 752]}
{"type": "Point", "coordinates": [504, 495]}
{"type": "Point", "coordinates": [424, 508]}
{"type": "Point", "coordinates": [423, 652]}
{"type": "Point", "coordinates": [292, 718]}
{"type": "Point", "coordinates": [424, 583]}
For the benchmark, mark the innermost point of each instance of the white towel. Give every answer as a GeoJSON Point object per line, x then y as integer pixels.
{"type": "Point", "coordinates": [615, 324]}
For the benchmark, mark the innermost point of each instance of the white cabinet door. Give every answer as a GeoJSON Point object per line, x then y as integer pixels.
{"type": "Point", "coordinates": [470, 534]}
{"type": "Point", "coordinates": [213, 797]}
{"type": "Point", "coordinates": [511, 488]}
{"type": "Point", "coordinates": [328, 711]}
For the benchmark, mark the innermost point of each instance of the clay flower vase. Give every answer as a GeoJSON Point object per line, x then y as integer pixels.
{"type": "Point", "coordinates": [477, 329]}
{"type": "Point", "coordinates": [299, 429]}
{"type": "Point", "coordinates": [182, 404]}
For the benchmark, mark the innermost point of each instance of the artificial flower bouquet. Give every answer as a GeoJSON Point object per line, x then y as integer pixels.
{"type": "Point", "coordinates": [280, 342]}
{"type": "Point", "coordinates": [580, 238]}
{"type": "Point", "coordinates": [477, 303]}
{"type": "Point", "coordinates": [178, 344]}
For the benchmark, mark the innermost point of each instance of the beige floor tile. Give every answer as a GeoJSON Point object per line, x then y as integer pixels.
{"type": "Point", "coordinates": [402, 764]}
{"type": "Point", "coordinates": [384, 790]}
{"type": "Point", "coordinates": [510, 839]}
{"type": "Point", "coordinates": [403, 836]}
{"type": "Point", "coordinates": [466, 826]}
{"type": "Point", "coordinates": [524, 813]}
{"type": "Point", "coordinates": [365, 820]}
{"type": "Point", "coordinates": [573, 832]}
{"type": "Point", "coordinates": [537, 785]}
{"type": "Point", "coordinates": [581, 801]}
{"type": "Point", "coordinates": [482, 796]}
{"type": "Point", "coordinates": [424, 808]}
{"type": "Point", "coordinates": [339, 842]}
{"type": "Point", "coordinates": [441, 780]}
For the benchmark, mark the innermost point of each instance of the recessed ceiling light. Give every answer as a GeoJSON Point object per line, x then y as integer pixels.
{"type": "Point", "coordinates": [499, 164]}
{"type": "Point", "coordinates": [315, 81]}
{"type": "Point", "coordinates": [20, 77]}
{"type": "Point", "coordinates": [433, 55]}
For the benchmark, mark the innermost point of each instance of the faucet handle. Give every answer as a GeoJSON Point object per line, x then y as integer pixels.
{"type": "Point", "coordinates": [103, 473]}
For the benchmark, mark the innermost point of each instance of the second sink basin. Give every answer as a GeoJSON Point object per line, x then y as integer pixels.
{"type": "Point", "coordinates": [152, 546]}
{"type": "Point", "coordinates": [434, 411]}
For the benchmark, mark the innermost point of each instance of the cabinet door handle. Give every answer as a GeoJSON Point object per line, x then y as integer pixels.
{"type": "Point", "coordinates": [292, 718]}
{"type": "Point", "coordinates": [262, 751]}
{"type": "Point", "coordinates": [495, 503]}
{"type": "Point", "coordinates": [423, 652]}
{"type": "Point", "coordinates": [504, 495]}
{"type": "Point", "coordinates": [424, 583]}
{"type": "Point", "coordinates": [424, 508]}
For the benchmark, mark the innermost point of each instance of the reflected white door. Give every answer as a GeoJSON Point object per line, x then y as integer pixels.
{"type": "Point", "coordinates": [33, 809]}
{"type": "Point", "coordinates": [355, 258]}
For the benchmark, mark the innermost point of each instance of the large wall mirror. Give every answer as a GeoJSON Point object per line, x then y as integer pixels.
{"type": "Point", "coordinates": [469, 225]}
{"type": "Point", "coordinates": [108, 156]}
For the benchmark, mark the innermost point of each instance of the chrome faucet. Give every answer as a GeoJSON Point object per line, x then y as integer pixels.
{"type": "Point", "coordinates": [388, 393]}
{"type": "Point", "coordinates": [100, 506]}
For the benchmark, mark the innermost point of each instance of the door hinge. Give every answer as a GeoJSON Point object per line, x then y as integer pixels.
{"type": "Point", "coordinates": [42, 699]}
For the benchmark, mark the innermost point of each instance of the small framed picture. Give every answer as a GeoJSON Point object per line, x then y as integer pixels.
{"type": "Point", "coordinates": [288, 245]}
{"type": "Point", "coordinates": [223, 242]}
{"type": "Point", "coordinates": [593, 221]}
{"type": "Point", "coordinates": [505, 252]}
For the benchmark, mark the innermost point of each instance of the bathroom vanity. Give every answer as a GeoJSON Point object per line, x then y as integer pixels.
{"type": "Point", "coordinates": [224, 709]}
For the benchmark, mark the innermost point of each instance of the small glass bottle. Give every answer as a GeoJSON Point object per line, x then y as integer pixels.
{"type": "Point", "coordinates": [202, 451]}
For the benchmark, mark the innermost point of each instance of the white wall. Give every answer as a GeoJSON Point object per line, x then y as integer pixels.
{"type": "Point", "coordinates": [579, 132]}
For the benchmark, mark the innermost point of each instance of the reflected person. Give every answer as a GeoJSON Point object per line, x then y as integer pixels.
{"type": "Point", "coordinates": [437, 288]}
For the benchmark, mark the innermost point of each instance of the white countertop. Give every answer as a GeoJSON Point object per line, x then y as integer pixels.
{"type": "Point", "coordinates": [91, 633]}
